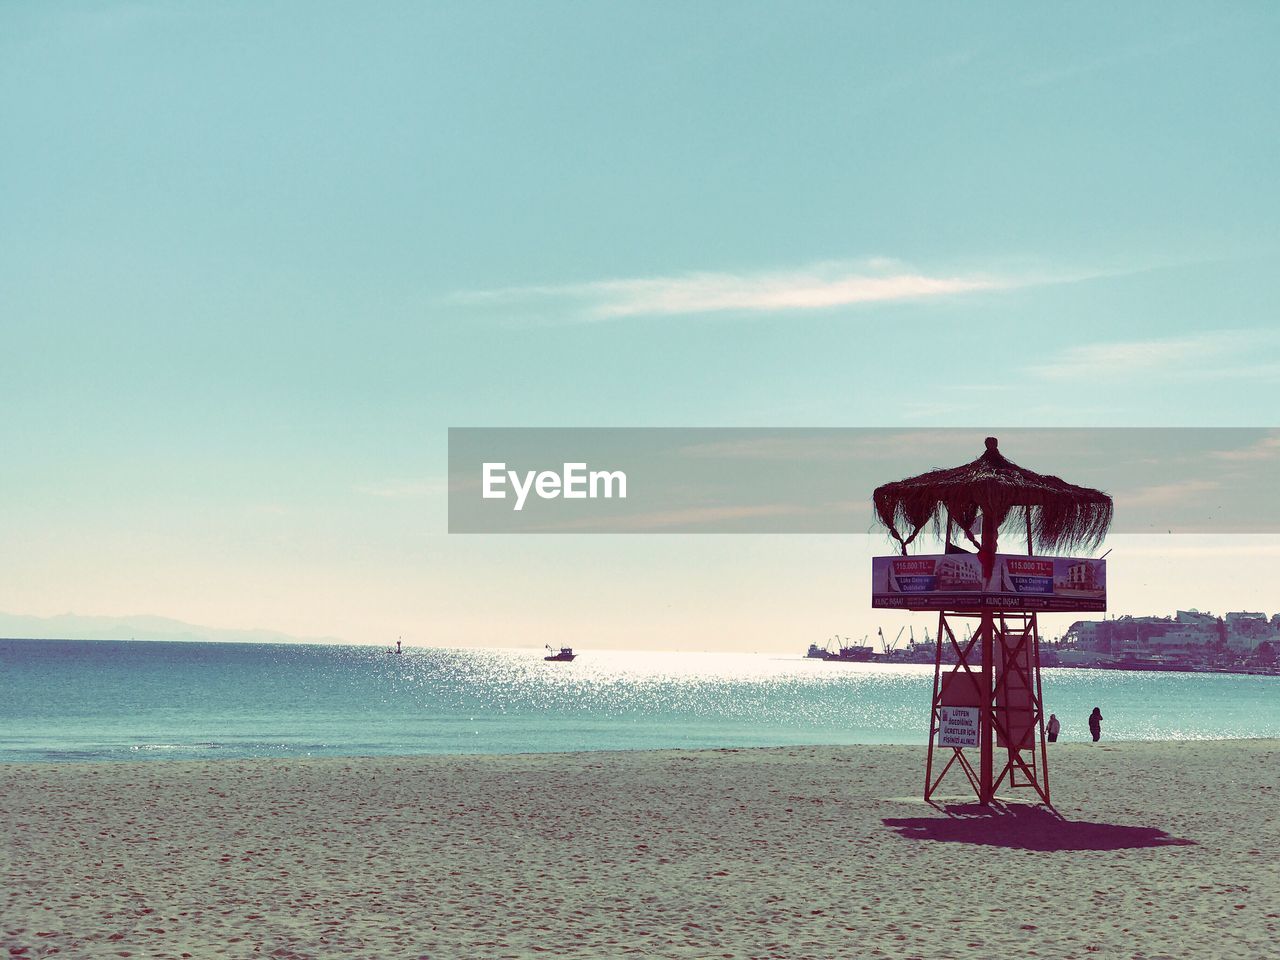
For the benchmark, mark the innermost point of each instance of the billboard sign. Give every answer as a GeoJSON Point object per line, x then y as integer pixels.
{"type": "Point", "coordinates": [954, 581]}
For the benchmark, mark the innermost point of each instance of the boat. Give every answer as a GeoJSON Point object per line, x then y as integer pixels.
{"type": "Point", "coordinates": [853, 654]}
{"type": "Point", "coordinates": [845, 653]}
{"type": "Point", "coordinates": [565, 655]}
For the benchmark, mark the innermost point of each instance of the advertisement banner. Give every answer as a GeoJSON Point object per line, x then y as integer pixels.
{"type": "Point", "coordinates": [954, 581]}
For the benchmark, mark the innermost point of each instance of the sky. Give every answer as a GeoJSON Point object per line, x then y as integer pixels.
{"type": "Point", "coordinates": [257, 258]}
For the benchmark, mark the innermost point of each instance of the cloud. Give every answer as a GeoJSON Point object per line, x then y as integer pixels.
{"type": "Point", "coordinates": [1197, 357]}
{"type": "Point", "coordinates": [683, 517]}
{"type": "Point", "coordinates": [1154, 47]}
{"type": "Point", "coordinates": [403, 489]}
{"type": "Point", "coordinates": [1125, 357]}
{"type": "Point", "coordinates": [1166, 494]}
{"type": "Point", "coordinates": [816, 287]}
{"type": "Point", "coordinates": [1268, 448]}
{"type": "Point", "coordinates": [840, 446]}
{"type": "Point", "coordinates": [709, 293]}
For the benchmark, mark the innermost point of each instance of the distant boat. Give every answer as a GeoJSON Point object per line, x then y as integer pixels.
{"type": "Point", "coordinates": [565, 655]}
{"type": "Point", "coordinates": [846, 653]}
{"type": "Point", "coordinates": [857, 654]}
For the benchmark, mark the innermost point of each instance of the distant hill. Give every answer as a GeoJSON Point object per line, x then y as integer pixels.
{"type": "Point", "coordinates": [141, 627]}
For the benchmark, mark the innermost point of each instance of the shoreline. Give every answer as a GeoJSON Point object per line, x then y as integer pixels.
{"type": "Point", "coordinates": [606, 752]}
{"type": "Point", "coordinates": [888, 659]}
{"type": "Point", "coordinates": [1157, 849]}
{"type": "Point", "coordinates": [1132, 665]}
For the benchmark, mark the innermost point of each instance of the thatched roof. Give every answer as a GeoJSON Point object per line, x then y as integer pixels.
{"type": "Point", "coordinates": [1061, 515]}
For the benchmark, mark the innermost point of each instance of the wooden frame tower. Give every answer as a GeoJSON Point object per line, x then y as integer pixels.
{"type": "Point", "coordinates": [990, 699]}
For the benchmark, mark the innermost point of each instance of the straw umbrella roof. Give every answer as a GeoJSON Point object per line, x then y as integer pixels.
{"type": "Point", "coordinates": [1055, 515]}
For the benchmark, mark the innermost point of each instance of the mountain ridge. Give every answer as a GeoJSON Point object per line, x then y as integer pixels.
{"type": "Point", "coordinates": [70, 626]}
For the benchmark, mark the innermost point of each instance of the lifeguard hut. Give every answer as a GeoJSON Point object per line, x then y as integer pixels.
{"type": "Point", "coordinates": [990, 698]}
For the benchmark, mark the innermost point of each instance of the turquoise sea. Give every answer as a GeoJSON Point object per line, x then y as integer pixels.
{"type": "Point", "coordinates": [129, 700]}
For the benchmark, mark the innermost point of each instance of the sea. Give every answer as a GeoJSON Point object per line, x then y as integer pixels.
{"type": "Point", "coordinates": [76, 700]}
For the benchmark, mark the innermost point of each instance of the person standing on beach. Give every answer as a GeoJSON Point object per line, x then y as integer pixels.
{"type": "Point", "coordinates": [1095, 724]}
{"type": "Point", "coordinates": [1054, 727]}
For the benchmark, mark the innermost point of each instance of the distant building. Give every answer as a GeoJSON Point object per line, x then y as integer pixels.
{"type": "Point", "coordinates": [1246, 630]}
{"type": "Point", "coordinates": [1190, 635]}
{"type": "Point", "coordinates": [1242, 618]}
{"type": "Point", "coordinates": [1195, 616]}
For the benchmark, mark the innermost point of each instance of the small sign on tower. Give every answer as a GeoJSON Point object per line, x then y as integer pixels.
{"type": "Point", "coordinates": [958, 726]}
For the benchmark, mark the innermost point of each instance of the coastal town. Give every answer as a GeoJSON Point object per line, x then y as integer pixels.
{"type": "Point", "coordinates": [1190, 640]}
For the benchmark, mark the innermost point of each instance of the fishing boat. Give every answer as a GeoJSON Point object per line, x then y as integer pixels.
{"type": "Point", "coordinates": [853, 654]}
{"type": "Point", "coordinates": [565, 655]}
{"type": "Point", "coordinates": [844, 652]}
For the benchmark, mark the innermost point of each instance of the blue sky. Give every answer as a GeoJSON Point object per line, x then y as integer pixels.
{"type": "Point", "coordinates": [255, 259]}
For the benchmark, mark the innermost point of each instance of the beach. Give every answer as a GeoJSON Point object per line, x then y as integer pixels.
{"type": "Point", "coordinates": [1162, 850]}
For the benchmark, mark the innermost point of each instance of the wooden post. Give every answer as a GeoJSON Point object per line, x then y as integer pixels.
{"type": "Point", "coordinates": [985, 764]}
{"type": "Point", "coordinates": [990, 531]}
{"type": "Point", "coordinates": [933, 705]}
{"type": "Point", "coordinates": [1044, 750]}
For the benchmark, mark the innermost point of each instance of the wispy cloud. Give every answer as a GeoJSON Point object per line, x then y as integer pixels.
{"type": "Point", "coordinates": [1206, 356]}
{"type": "Point", "coordinates": [1166, 494]}
{"type": "Point", "coordinates": [1151, 48]}
{"type": "Point", "coordinates": [1124, 357]}
{"type": "Point", "coordinates": [818, 286]}
{"type": "Point", "coordinates": [1268, 448]}
{"type": "Point", "coordinates": [691, 518]}
{"type": "Point", "coordinates": [404, 489]}
{"type": "Point", "coordinates": [835, 446]}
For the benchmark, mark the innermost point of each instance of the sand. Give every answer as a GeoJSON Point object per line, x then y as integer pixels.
{"type": "Point", "coordinates": [1165, 850]}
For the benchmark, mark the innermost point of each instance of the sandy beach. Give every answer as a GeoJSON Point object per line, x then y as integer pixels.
{"type": "Point", "coordinates": [1163, 850]}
